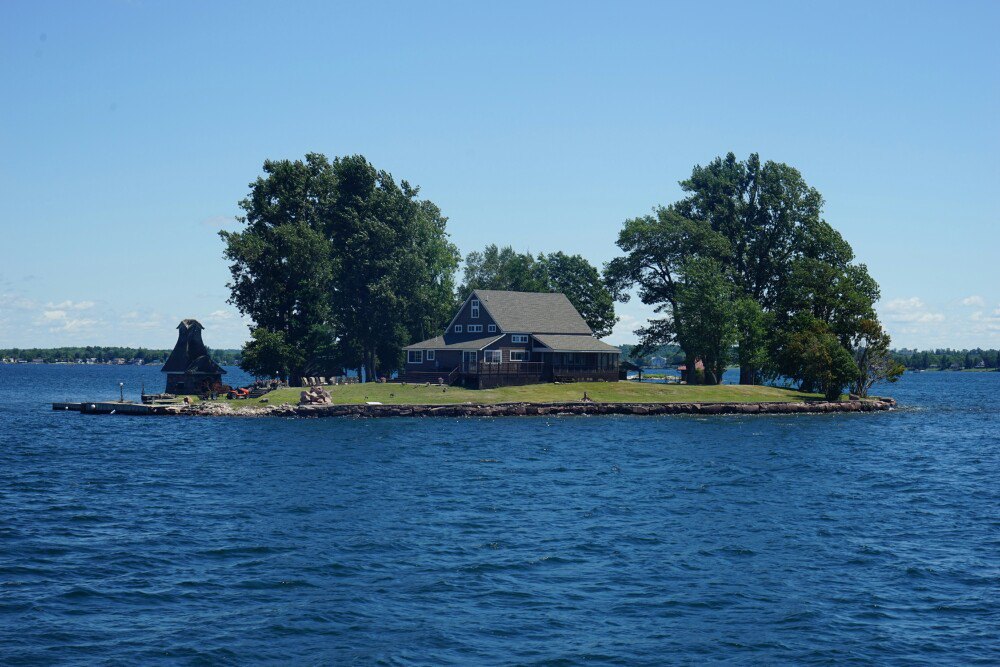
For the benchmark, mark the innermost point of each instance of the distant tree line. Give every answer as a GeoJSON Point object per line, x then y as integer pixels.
{"type": "Point", "coordinates": [745, 270]}
{"type": "Point", "coordinates": [104, 354]}
{"type": "Point", "coordinates": [948, 359]}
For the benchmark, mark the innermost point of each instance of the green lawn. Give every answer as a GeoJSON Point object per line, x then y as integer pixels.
{"type": "Point", "coordinates": [604, 392]}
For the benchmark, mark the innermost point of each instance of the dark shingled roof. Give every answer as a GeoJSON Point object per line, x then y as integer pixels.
{"type": "Point", "coordinates": [578, 343]}
{"type": "Point", "coordinates": [190, 354]}
{"type": "Point", "coordinates": [437, 343]}
{"type": "Point", "coordinates": [533, 312]}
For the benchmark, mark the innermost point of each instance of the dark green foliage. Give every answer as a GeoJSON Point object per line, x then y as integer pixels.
{"type": "Point", "coordinates": [268, 353]}
{"type": "Point", "coordinates": [783, 264]}
{"type": "Point", "coordinates": [753, 328]}
{"type": "Point", "coordinates": [810, 354]}
{"type": "Point", "coordinates": [705, 318]}
{"type": "Point", "coordinates": [344, 262]}
{"type": "Point", "coordinates": [658, 248]}
{"type": "Point", "coordinates": [501, 269]}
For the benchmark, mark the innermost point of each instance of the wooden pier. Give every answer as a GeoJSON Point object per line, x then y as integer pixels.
{"type": "Point", "coordinates": [116, 408]}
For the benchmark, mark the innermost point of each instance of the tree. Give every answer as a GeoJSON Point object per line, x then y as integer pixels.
{"type": "Point", "coordinates": [752, 327]}
{"type": "Point", "coordinates": [813, 356]}
{"type": "Point", "coordinates": [870, 347]}
{"type": "Point", "coordinates": [657, 248]}
{"type": "Point", "coordinates": [281, 265]}
{"type": "Point", "coordinates": [502, 269]}
{"type": "Point", "coordinates": [269, 353]}
{"type": "Point", "coordinates": [771, 218]}
{"type": "Point", "coordinates": [505, 269]}
{"type": "Point", "coordinates": [705, 318]}
{"type": "Point", "coordinates": [582, 284]}
{"type": "Point", "coordinates": [347, 263]}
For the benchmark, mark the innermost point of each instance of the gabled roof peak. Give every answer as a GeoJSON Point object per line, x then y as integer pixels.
{"type": "Point", "coordinates": [532, 312]}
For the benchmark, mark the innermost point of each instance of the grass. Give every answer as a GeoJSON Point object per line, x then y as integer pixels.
{"type": "Point", "coordinates": [602, 392]}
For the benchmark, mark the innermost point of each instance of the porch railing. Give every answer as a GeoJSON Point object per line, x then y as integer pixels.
{"type": "Point", "coordinates": [509, 368]}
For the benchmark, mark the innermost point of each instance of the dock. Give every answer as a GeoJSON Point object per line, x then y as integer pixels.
{"type": "Point", "coordinates": [116, 408]}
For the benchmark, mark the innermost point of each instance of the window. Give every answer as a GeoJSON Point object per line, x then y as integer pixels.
{"type": "Point", "coordinates": [430, 355]}
{"type": "Point", "coordinates": [519, 338]}
{"type": "Point", "coordinates": [458, 328]}
{"type": "Point", "coordinates": [493, 356]}
{"type": "Point", "coordinates": [474, 328]}
{"type": "Point", "coordinates": [475, 310]}
{"type": "Point", "coordinates": [414, 356]}
{"type": "Point", "coordinates": [518, 355]}
{"type": "Point", "coordinates": [492, 328]}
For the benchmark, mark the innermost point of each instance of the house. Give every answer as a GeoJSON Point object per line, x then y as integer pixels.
{"type": "Point", "coordinates": [189, 368]}
{"type": "Point", "coordinates": [502, 338]}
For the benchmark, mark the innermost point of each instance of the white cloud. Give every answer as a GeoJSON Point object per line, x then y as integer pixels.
{"type": "Point", "coordinates": [974, 300]}
{"type": "Point", "coordinates": [71, 305]}
{"type": "Point", "coordinates": [912, 311]}
{"type": "Point", "coordinates": [13, 301]}
{"type": "Point", "coordinates": [221, 315]}
{"type": "Point", "coordinates": [59, 321]}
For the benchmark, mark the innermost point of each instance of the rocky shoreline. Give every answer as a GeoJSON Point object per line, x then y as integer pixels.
{"type": "Point", "coordinates": [537, 409]}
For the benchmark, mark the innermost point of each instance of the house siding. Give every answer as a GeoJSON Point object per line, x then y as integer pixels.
{"type": "Point", "coordinates": [465, 319]}
{"type": "Point", "coordinates": [538, 366]}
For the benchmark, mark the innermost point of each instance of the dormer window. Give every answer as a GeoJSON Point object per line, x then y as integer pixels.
{"type": "Point", "coordinates": [458, 328]}
{"type": "Point", "coordinates": [475, 309]}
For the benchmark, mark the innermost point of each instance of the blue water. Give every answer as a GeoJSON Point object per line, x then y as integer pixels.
{"type": "Point", "coordinates": [621, 540]}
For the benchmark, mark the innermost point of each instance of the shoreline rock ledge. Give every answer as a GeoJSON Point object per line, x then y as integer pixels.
{"type": "Point", "coordinates": [539, 409]}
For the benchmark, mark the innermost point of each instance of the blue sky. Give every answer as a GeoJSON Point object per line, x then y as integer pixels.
{"type": "Point", "coordinates": [130, 130]}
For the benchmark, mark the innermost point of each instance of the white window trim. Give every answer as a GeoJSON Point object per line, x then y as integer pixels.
{"type": "Point", "coordinates": [519, 338]}
{"type": "Point", "coordinates": [474, 309]}
{"type": "Point", "coordinates": [474, 328]}
{"type": "Point", "coordinates": [458, 328]}
{"type": "Point", "coordinates": [523, 353]}
{"type": "Point", "coordinates": [493, 356]}
{"type": "Point", "coordinates": [492, 328]}
{"type": "Point", "coordinates": [411, 353]}
{"type": "Point", "coordinates": [430, 355]}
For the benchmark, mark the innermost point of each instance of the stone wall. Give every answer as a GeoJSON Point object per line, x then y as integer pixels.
{"type": "Point", "coordinates": [540, 409]}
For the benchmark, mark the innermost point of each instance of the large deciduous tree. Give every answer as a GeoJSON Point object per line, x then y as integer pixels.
{"type": "Point", "coordinates": [658, 248]}
{"type": "Point", "coordinates": [772, 219]}
{"type": "Point", "coordinates": [281, 265]}
{"type": "Point", "coordinates": [763, 224]}
{"type": "Point", "coordinates": [344, 262]}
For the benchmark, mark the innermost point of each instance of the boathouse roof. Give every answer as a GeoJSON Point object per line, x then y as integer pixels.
{"type": "Point", "coordinates": [190, 354]}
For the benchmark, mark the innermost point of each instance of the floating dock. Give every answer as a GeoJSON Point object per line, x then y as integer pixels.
{"type": "Point", "coordinates": [116, 408]}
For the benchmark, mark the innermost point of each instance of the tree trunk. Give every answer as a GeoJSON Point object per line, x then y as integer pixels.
{"type": "Point", "coordinates": [748, 374]}
{"type": "Point", "coordinates": [690, 375]}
